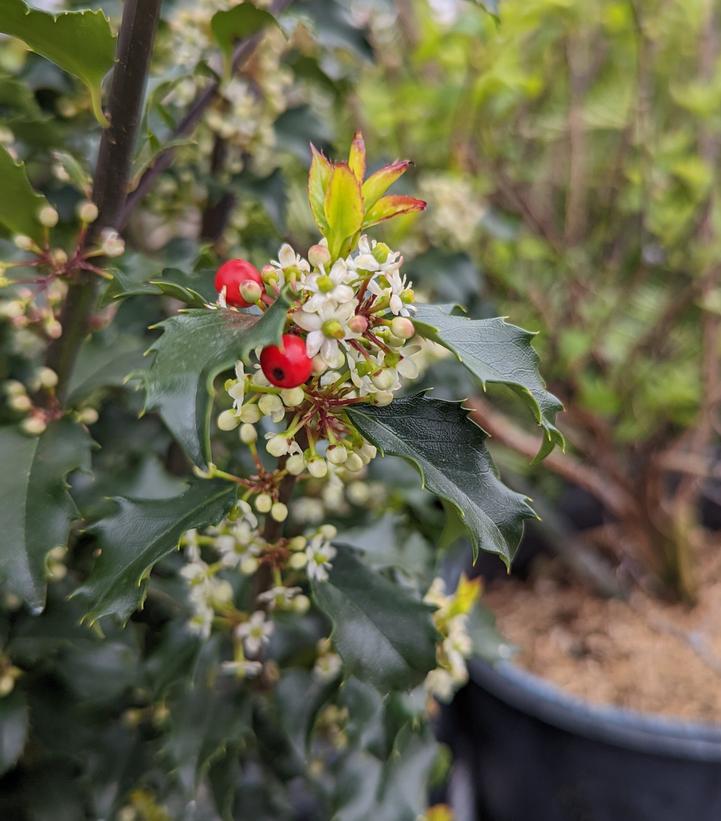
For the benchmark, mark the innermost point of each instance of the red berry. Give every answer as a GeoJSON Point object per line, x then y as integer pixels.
{"type": "Point", "coordinates": [231, 275]}
{"type": "Point", "coordinates": [286, 366]}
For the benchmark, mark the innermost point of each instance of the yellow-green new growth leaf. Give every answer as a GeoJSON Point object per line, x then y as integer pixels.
{"type": "Point", "coordinates": [35, 507]}
{"type": "Point", "coordinates": [449, 452]}
{"type": "Point", "coordinates": [319, 176]}
{"type": "Point", "coordinates": [357, 156]}
{"type": "Point", "coordinates": [79, 42]}
{"type": "Point", "coordinates": [378, 183]}
{"type": "Point", "coordinates": [497, 352]}
{"type": "Point", "coordinates": [343, 209]}
{"type": "Point", "coordinates": [19, 201]}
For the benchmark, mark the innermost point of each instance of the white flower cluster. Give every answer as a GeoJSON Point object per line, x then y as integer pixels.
{"type": "Point", "coordinates": [450, 619]}
{"type": "Point", "coordinates": [356, 316]}
{"type": "Point", "coordinates": [456, 209]}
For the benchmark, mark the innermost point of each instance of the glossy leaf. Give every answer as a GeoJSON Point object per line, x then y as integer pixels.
{"type": "Point", "coordinates": [242, 21]}
{"type": "Point", "coordinates": [392, 206]}
{"type": "Point", "coordinates": [195, 347]}
{"type": "Point", "coordinates": [496, 352]}
{"type": "Point", "coordinates": [103, 363]}
{"type": "Point", "coordinates": [343, 209]}
{"type": "Point", "coordinates": [80, 42]}
{"type": "Point", "coordinates": [138, 535]}
{"type": "Point", "coordinates": [319, 176]}
{"type": "Point", "coordinates": [19, 203]}
{"type": "Point", "coordinates": [383, 633]}
{"type": "Point", "coordinates": [449, 452]}
{"type": "Point", "coordinates": [35, 507]}
{"type": "Point", "coordinates": [378, 183]}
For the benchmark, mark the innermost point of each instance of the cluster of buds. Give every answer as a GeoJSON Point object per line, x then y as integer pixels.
{"type": "Point", "coordinates": [451, 621]}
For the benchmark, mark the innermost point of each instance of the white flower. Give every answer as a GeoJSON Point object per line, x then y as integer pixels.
{"type": "Point", "coordinates": [319, 554]}
{"type": "Point", "coordinates": [237, 390]}
{"type": "Point", "coordinates": [242, 668]}
{"type": "Point", "coordinates": [332, 287]}
{"type": "Point", "coordinates": [326, 328]}
{"type": "Point", "coordinates": [440, 684]}
{"type": "Point", "coordinates": [393, 290]}
{"type": "Point", "coordinates": [255, 632]}
{"type": "Point", "coordinates": [327, 666]}
{"type": "Point", "coordinates": [287, 259]}
{"type": "Point", "coordinates": [201, 622]}
{"type": "Point", "coordinates": [279, 597]}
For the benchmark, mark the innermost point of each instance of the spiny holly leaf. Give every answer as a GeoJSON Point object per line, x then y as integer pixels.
{"type": "Point", "coordinates": [383, 633]}
{"type": "Point", "coordinates": [236, 24]}
{"type": "Point", "coordinates": [35, 507]}
{"type": "Point", "coordinates": [139, 534]}
{"type": "Point", "coordinates": [449, 452]}
{"type": "Point", "coordinates": [394, 205]}
{"type": "Point", "coordinates": [80, 42]}
{"type": "Point", "coordinates": [19, 203]}
{"type": "Point", "coordinates": [494, 351]}
{"type": "Point", "coordinates": [195, 347]}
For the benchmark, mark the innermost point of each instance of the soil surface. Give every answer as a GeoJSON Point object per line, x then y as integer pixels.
{"type": "Point", "coordinates": [642, 654]}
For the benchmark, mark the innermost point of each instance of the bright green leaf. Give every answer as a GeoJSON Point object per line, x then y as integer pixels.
{"type": "Point", "coordinates": [378, 183]}
{"type": "Point", "coordinates": [236, 24]}
{"type": "Point", "coordinates": [494, 351]}
{"type": "Point", "coordinates": [80, 42]}
{"type": "Point", "coordinates": [19, 203]}
{"type": "Point", "coordinates": [343, 209]}
{"type": "Point", "coordinates": [195, 347]}
{"type": "Point", "coordinates": [35, 508]}
{"type": "Point", "coordinates": [449, 452]}
{"type": "Point", "coordinates": [383, 633]}
{"type": "Point", "coordinates": [139, 534]}
{"type": "Point", "coordinates": [319, 176]}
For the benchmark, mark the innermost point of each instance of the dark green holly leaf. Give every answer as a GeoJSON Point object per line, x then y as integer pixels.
{"type": "Point", "coordinates": [494, 351]}
{"type": "Point", "coordinates": [20, 203]}
{"type": "Point", "coordinates": [103, 363]}
{"type": "Point", "coordinates": [138, 535]}
{"type": "Point", "coordinates": [80, 42]}
{"type": "Point", "coordinates": [195, 347]}
{"type": "Point", "coordinates": [14, 721]}
{"type": "Point", "coordinates": [236, 24]}
{"type": "Point", "coordinates": [383, 633]}
{"type": "Point", "coordinates": [35, 508]}
{"type": "Point", "coordinates": [194, 289]}
{"type": "Point", "coordinates": [449, 452]}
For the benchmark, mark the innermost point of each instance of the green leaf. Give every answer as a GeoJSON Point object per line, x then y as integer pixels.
{"type": "Point", "coordinates": [80, 42]}
{"type": "Point", "coordinates": [35, 508]}
{"type": "Point", "coordinates": [236, 24]}
{"type": "Point", "coordinates": [343, 209]}
{"type": "Point", "coordinates": [195, 347]}
{"type": "Point", "coordinates": [379, 182]}
{"type": "Point", "coordinates": [103, 363]}
{"type": "Point", "coordinates": [449, 452]}
{"type": "Point", "coordinates": [19, 203]}
{"type": "Point", "coordinates": [383, 633]}
{"type": "Point", "coordinates": [14, 724]}
{"type": "Point", "coordinates": [139, 534]}
{"type": "Point", "coordinates": [319, 176]}
{"type": "Point", "coordinates": [394, 205]}
{"type": "Point", "coordinates": [494, 351]}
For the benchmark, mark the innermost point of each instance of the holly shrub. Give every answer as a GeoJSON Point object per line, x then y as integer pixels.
{"type": "Point", "coordinates": [222, 595]}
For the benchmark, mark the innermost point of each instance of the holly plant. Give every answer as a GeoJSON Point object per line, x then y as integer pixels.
{"type": "Point", "coordinates": [229, 584]}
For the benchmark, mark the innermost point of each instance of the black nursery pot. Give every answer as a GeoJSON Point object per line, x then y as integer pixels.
{"type": "Point", "coordinates": [532, 753]}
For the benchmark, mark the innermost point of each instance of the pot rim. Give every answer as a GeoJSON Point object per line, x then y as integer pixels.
{"type": "Point", "coordinates": [631, 729]}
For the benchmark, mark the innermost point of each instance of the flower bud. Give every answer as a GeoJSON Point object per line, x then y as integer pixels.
{"type": "Point", "coordinates": [227, 420]}
{"type": "Point", "coordinates": [269, 275]}
{"type": "Point", "coordinates": [21, 403]}
{"type": "Point", "coordinates": [368, 452]}
{"type": "Point", "coordinates": [358, 324]}
{"type": "Point", "coordinates": [297, 543]}
{"type": "Point", "coordinates": [317, 467]}
{"type": "Point", "coordinates": [33, 425]}
{"type": "Point", "coordinates": [295, 464]}
{"type": "Point", "coordinates": [402, 327]}
{"type": "Point", "coordinates": [301, 604]}
{"type": "Point", "coordinates": [269, 403]}
{"type": "Point", "coordinates": [279, 512]}
{"type": "Point", "coordinates": [337, 454]}
{"type": "Point", "coordinates": [382, 398]}
{"type": "Point", "coordinates": [53, 329]}
{"type": "Point", "coordinates": [328, 531]}
{"type": "Point", "coordinates": [277, 445]}
{"type": "Point", "coordinates": [263, 503]}
{"type": "Point", "coordinates": [384, 379]}
{"type": "Point", "coordinates": [48, 216]}
{"type": "Point", "coordinates": [248, 434]}
{"type": "Point", "coordinates": [250, 414]}
{"type": "Point", "coordinates": [250, 291]}
{"type": "Point", "coordinates": [292, 397]}
{"type": "Point", "coordinates": [23, 242]}
{"type": "Point", "coordinates": [14, 388]}
{"type": "Point", "coordinates": [298, 561]}
{"type": "Point", "coordinates": [87, 416]}
{"type": "Point", "coordinates": [354, 463]}
{"type": "Point", "coordinates": [248, 565]}
{"type": "Point", "coordinates": [319, 365]}
{"type": "Point", "coordinates": [318, 255]}
{"type": "Point", "coordinates": [87, 211]}
{"type": "Point", "coordinates": [47, 378]}
{"type": "Point", "coordinates": [112, 244]}
{"type": "Point", "coordinates": [358, 493]}
{"type": "Point", "coordinates": [58, 257]}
